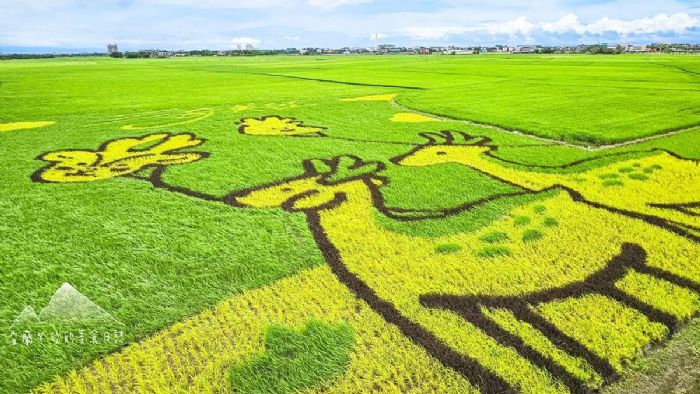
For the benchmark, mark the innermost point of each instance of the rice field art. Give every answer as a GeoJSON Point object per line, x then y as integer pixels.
{"type": "Point", "coordinates": [360, 239]}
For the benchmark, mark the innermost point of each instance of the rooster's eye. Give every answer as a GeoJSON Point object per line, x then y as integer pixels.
{"type": "Point", "coordinates": [441, 153]}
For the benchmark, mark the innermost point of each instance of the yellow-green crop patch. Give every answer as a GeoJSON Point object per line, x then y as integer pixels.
{"type": "Point", "coordinates": [271, 240]}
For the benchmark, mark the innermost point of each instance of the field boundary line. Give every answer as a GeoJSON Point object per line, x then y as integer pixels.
{"type": "Point", "coordinates": [545, 139]}
{"type": "Point", "coordinates": [338, 81]}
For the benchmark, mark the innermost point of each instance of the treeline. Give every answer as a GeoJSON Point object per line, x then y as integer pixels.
{"type": "Point", "coordinates": [143, 54]}
{"type": "Point", "coordinates": [154, 53]}
{"type": "Point", "coordinates": [604, 50]}
{"type": "Point", "coordinates": [10, 56]}
{"type": "Point", "coordinates": [673, 48]}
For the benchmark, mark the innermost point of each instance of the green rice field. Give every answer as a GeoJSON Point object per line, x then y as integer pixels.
{"type": "Point", "coordinates": [283, 224]}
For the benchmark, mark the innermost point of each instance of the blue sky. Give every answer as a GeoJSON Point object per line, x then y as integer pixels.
{"type": "Point", "coordinates": [223, 24]}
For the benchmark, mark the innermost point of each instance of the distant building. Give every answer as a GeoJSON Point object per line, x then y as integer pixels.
{"type": "Point", "coordinates": [112, 48]}
{"type": "Point", "coordinates": [458, 52]}
{"type": "Point", "coordinates": [526, 49]}
{"type": "Point", "coordinates": [635, 48]}
{"type": "Point", "coordinates": [389, 49]}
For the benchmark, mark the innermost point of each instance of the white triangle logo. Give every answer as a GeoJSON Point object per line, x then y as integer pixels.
{"type": "Point", "coordinates": [67, 305]}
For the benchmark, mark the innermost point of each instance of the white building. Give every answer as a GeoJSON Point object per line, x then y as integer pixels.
{"type": "Point", "coordinates": [458, 52]}
{"type": "Point", "coordinates": [526, 49]}
{"type": "Point", "coordinates": [635, 48]}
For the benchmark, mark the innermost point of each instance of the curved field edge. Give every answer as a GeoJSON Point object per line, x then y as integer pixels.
{"type": "Point", "coordinates": [579, 140]}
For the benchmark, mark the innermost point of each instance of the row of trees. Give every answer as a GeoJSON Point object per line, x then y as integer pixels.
{"type": "Point", "coordinates": [159, 53]}
{"type": "Point", "coordinates": [10, 56]}
{"type": "Point", "coordinates": [604, 50]}
{"type": "Point", "coordinates": [145, 54]}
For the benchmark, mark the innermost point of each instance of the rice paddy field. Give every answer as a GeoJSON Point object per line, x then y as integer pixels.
{"type": "Point", "coordinates": [413, 224]}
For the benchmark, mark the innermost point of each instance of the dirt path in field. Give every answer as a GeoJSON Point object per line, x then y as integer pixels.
{"type": "Point", "coordinates": [544, 139]}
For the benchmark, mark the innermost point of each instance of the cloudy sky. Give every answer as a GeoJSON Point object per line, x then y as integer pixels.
{"type": "Point", "coordinates": [222, 24]}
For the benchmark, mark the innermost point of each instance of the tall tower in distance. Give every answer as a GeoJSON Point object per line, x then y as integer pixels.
{"type": "Point", "coordinates": [112, 48]}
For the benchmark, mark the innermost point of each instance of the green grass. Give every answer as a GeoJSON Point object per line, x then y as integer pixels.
{"type": "Point", "coordinates": [493, 251]}
{"type": "Point", "coordinates": [530, 235]}
{"type": "Point", "coordinates": [521, 221]}
{"type": "Point", "coordinates": [294, 361]}
{"type": "Point", "coordinates": [152, 258]}
{"type": "Point", "coordinates": [447, 248]}
{"type": "Point", "coordinates": [494, 237]}
{"type": "Point", "coordinates": [550, 222]}
{"type": "Point", "coordinates": [616, 98]}
{"type": "Point", "coordinates": [638, 177]}
{"type": "Point", "coordinates": [671, 368]}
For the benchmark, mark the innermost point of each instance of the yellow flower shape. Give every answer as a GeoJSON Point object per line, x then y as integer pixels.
{"type": "Point", "coordinates": [277, 125]}
{"type": "Point", "coordinates": [409, 117]}
{"type": "Point", "coordinates": [376, 97]}
{"type": "Point", "coordinates": [117, 158]}
{"type": "Point", "coordinates": [24, 125]}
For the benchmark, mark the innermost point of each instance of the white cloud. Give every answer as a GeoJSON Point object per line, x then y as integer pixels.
{"type": "Point", "coordinates": [192, 24]}
{"type": "Point", "coordinates": [522, 28]}
{"type": "Point", "coordinates": [677, 23]}
{"type": "Point", "coordinates": [567, 23]}
{"type": "Point", "coordinates": [273, 6]}
{"type": "Point", "coordinates": [661, 23]}
{"type": "Point", "coordinates": [431, 33]}
{"type": "Point", "coordinates": [516, 27]}
{"type": "Point", "coordinates": [221, 4]}
{"type": "Point", "coordinates": [242, 41]}
{"type": "Point", "coordinates": [331, 4]}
